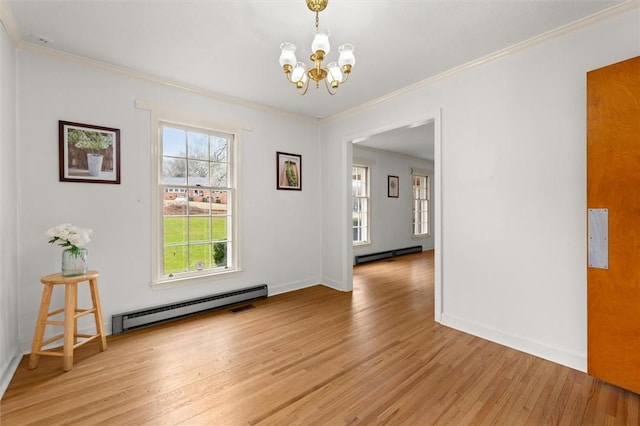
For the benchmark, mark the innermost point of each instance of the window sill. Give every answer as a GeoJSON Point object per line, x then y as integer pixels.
{"type": "Point", "coordinates": [194, 280]}
{"type": "Point", "coordinates": [368, 243]}
{"type": "Point", "coordinates": [420, 237]}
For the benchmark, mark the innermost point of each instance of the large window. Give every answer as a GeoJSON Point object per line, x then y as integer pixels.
{"type": "Point", "coordinates": [421, 195]}
{"type": "Point", "coordinates": [197, 190]}
{"type": "Point", "coordinates": [360, 185]}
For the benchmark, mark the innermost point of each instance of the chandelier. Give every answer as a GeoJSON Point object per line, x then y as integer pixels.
{"type": "Point", "coordinates": [333, 75]}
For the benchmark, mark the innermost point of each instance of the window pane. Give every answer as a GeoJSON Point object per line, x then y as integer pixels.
{"type": "Point", "coordinates": [174, 142]}
{"type": "Point", "coordinates": [175, 259]}
{"type": "Point", "coordinates": [175, 230]}
{"type": "Point", "coordinates": [220, 254]}
{"type": "Point", "coordinates": [219, 228]}
{"type": "Point", "coordinates": [219, 200]}
{"type": "Point", "coordinates": [199, 202]}
{"type": "Point", "coordinates": [174, 171]}
{"type": "Point", "coordinates": [219, 148]}
{"type": "Point", "coordinates": [364, 205]}
{"type": "Point", "coordinates": [198, 173]}
{"type": "Point", "coordinates": [198, 145]}
{"type": "Point", "coordinates": [199, 229]}
{"type": "Point", "coordinates": [175, 204]}
{"type": "Point", "coordinates": [199, 257]}
{"type": "Point", "coordinates": [356, 205]}
{"type": "Point", "coordinates": [219, 175]}
{"type": "Point", "coordinates": [357, 220]}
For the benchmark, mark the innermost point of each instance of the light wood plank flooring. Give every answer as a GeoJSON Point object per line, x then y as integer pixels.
{"type": "Point", "coordinates": [315, 357]}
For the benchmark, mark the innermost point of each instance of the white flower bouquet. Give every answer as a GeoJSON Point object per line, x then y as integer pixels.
{"type": "Point", "coordinates": [69, 236]}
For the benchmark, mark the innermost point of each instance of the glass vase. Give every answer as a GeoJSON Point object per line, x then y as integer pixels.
{"type": "Point", "coordinates": [74, 264]}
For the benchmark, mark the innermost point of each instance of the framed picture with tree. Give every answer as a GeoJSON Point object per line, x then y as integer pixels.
{"type": "Point", "coordinates": [88, 153]}
{"type": "Point", "coordinates": [289, 171]}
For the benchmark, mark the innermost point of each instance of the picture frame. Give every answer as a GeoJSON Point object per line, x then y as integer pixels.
{"type": "Point", "coordinates": [393, 186]}
{"type": "Point", "coordinates": [88, 153]}
{"type": "Point", "coordinates": [288, 171]}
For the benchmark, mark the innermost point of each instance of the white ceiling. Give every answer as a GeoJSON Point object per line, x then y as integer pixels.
{"type": "Point", "coordinates": [413, 141]}
{"type": "Point", "coordinates": [231, 47]}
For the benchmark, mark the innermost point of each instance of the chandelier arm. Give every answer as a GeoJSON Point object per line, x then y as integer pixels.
{"type": "Point", "coordinates": [289, 78]}
{"type": "Point", "coordinates": [306, 87]}
{"type": "Point", "coordinates": [329, 88]}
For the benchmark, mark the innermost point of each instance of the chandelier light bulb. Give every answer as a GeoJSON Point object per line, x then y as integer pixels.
{"type": "Point", "coordinates": [346, 55]}
{"type": "Point", "coordinates": [321, 42]}
{"type": "Point", "coordinates": [288, 54]}
{"type": "Point", "coordinates": [334, 75]}
{"type": "Point", "coordinates": [299, 72]}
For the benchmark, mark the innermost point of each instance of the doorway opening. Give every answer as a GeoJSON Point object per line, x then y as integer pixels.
{"type": "Point", "coordinates": [385, 220]}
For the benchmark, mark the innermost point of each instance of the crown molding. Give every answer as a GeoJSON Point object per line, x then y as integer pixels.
{"type": "Point", "coordinates": [549, 35]}
{"type": "Point", "coordinates": [9, 23]}
{"type": "Point", "coordinates": [6, 17]}
{"type": "Point", "coordinates": [69, 57]}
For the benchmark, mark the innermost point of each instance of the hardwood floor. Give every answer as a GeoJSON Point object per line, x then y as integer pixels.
{"type": "Point", "coordinates": [315, 357]}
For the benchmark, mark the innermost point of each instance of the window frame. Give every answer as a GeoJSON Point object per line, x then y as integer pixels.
{"type": "Point", "coordinates": [159, 115]}
{"type": "Point", "coordinates": [426, 201]}
{"type": "Point", "coordinates": [367, 167]}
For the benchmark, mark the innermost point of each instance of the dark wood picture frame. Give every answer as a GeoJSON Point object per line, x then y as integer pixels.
{"type": "Point", "coordinates": [88, 153]}
{"type": "Point", "coordinates": [393, 186]}
{"type": "Point", "coordinates": [288, 171]}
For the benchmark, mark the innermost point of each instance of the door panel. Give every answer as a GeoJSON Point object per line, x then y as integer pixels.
{"type": "Point", "coordinates": [613, 183]}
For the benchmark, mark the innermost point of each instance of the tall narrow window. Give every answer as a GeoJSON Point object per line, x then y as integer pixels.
{"type": "Point", "coordinates": [197, 191]}
{"type": "Point", "coordinates": [421, 195]}
{"type": "Point", "coordinates": [360, 185]}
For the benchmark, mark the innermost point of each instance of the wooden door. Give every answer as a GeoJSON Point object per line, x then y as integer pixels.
{"type": "Point", "coordinates": [613, 183]}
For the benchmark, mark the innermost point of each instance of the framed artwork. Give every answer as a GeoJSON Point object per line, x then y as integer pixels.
{"type": "Point", "coordinates": [88, 153]}
{"type": "Point", "coordinates": [289, 171]}
{"type": "Point", "coordinates": [393, 189]}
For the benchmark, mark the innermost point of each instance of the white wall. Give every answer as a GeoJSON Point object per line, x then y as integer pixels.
{"type": "Point", "coordinates": [391, 218]}
{"type": "Point", "coordinates": [279, 229]}
{"type": "Point", "coordinates": [8, 213]}
{"type": "Point", "coordinates": [513, 184]}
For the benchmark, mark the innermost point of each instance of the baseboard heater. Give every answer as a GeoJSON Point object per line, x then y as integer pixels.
{"type": "Point", "coordinates": [386, 254]}
{"type": "Point", "coordinates": [159, 314]}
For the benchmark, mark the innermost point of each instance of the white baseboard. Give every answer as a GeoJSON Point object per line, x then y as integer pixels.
{"type": "Point", "coordinates": [541, 350]}
{"type": "Point", "coordinates": [9, 369]}
{"type": "Point", "coordinates": [292, 286]}
{"type": "Point", "coordinates": [333, 284]}
{"type": "Point", "coordinates": [299, 285]}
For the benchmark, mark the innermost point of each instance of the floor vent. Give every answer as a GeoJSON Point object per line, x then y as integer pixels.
{"type": "Point", "coordinates": [386, 254]}
{"type": "Point", "coordinates": [160, 314]}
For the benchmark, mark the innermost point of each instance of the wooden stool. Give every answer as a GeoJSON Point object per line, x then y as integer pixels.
{"type": "Point", "coordinates": [70, 323]}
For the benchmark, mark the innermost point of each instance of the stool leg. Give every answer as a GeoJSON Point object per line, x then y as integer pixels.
{"type": "Point", "coordinates": [38, 335]}
{"type": "Point", "coordinates": [70, 306]}
{"type": "Point", "coordinates": [95, 297]}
